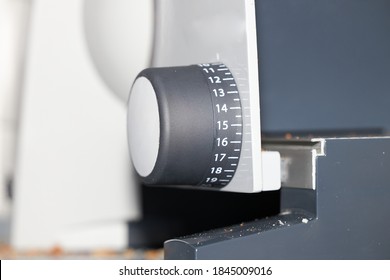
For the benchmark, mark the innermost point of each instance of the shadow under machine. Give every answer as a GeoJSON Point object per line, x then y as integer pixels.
{"type": "Point", "coordinates": [313, 182]}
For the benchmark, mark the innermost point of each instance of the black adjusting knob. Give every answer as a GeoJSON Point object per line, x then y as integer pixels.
{"type": "Point", "coordinates": [185, 125]}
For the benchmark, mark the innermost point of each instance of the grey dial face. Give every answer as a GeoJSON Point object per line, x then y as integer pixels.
{"type": "Point", "coordinates": [198, 108]}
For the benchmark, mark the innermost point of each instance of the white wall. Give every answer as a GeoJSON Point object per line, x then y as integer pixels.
{"type": "Point", "coordinates": [74, 185]}
{"type": "Point", "coordinates": [14, 16]}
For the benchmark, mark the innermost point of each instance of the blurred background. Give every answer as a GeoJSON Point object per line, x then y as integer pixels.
{"type": "Point", "coordinates": [13, 32]}
{"type": "Point", "coordinates": [66, 68]}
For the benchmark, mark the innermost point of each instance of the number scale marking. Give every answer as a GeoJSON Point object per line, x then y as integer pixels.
{"type": "Point", "coordinates": [227, 123]}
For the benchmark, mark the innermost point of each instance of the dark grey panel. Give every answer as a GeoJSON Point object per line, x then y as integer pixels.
{"type": "Point", "coordinates": [351, 219]}
{"type": "Point", "coordinates": [324, 64]}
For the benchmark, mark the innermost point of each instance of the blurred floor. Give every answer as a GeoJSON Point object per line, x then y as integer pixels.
{"type": "Point", "coordinates": [57, 253]}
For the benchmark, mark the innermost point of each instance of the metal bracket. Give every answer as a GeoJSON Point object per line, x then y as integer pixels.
{"type": "Point", "coordinates": [298, 160]}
